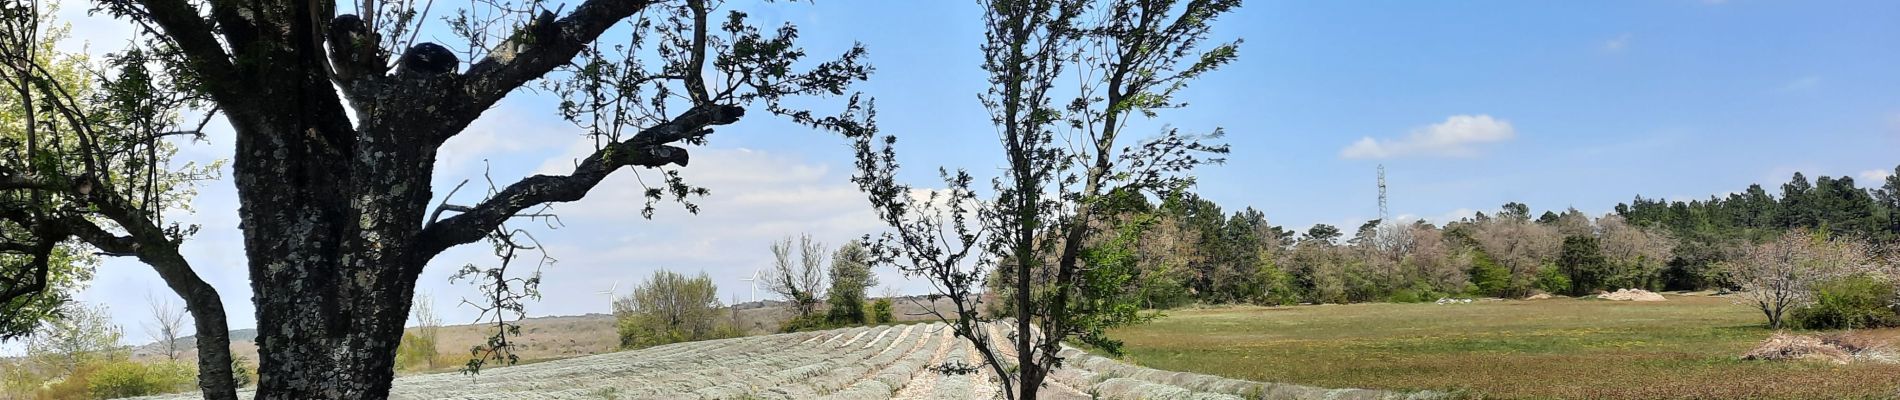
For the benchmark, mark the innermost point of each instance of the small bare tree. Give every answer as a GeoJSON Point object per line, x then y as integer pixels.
{"type": "Point", "coordinates": [1519, 245]}
{"type": "Point", "coordinates": [166, 325]}
{"type": "Point", "coordinates": [428, 325]}
{"type": "Point", "coordinates": [1041, 235]}
{"type": "Point", "coordinates": [1780, 274]}
{"type": "Point", "coordinates": [800, 281]}
{"type": "Point", "coordinates": [1638, 254]}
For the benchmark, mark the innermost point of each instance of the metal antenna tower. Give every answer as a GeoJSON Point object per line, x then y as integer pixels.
{"type": "Point", "coordinates": [1382, 214]}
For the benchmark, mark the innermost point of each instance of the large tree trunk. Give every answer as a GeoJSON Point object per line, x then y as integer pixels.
{"type": "Point", "coordinates": [330, 215]}
{"type": "Point", "coordinates": [333, 256]}
{"type": "Point", "coordinates": [333, 261]}
{"type": "Point", "coordinates": [332, 209]}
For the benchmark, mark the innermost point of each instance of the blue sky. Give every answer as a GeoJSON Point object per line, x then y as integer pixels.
{"type": "Point", "coordinates": [1467, 104]}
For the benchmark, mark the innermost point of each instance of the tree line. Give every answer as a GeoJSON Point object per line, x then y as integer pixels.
{"type": "Point", "coordinates": [1194, 252]}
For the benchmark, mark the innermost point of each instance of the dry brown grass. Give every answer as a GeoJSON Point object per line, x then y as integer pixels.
{"type": "Point", "coordinates": [1783, 346]}
{"type": "Point", "coordinates": [1857, 342]}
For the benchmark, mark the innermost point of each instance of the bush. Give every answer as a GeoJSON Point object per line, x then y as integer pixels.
{"type": "Point", "coordinates": [881, 311]}
{"type": "Point", "coordinates": [1489, 278]}
{"type": "Point", "coordinates": [1404, 296]}
{"type": "Point", "coordinates": [127, 379]}
{"type": "Point", "coordinates": [241, 372]}
{"type": "Point", "coordinates": [417, 352]}
{"type": "Point", "coordinates": [1161, 288]}
{"type": "Point", "coordinates": [669, 308]}
{"type": "Point", "coordinates": [1277, 287]}
{"type": "Point", "coordinates": [1551, 280]}
{"type": "Point", "coordinates": [1418, 293]}
{"type": "Point", "coordinates": [1849, 303]}
{"type": "Point", "coordinates": [814, 322]}
{"type": "Point", "coordinates": [73, 386]}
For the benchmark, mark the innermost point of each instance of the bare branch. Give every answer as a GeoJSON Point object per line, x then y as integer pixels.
{"type": "Point", "coordinates": [649, 148]}
{"type": "Point", "coordinates": [192, 33]}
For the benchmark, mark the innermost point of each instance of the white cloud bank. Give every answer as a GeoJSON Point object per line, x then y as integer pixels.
{"type": "Point", "coordinates": [1458, 136]}
{"type": "Point", "coordinates": [1873, 177]}
{"type": "Point", "coordinates": [758, 196]}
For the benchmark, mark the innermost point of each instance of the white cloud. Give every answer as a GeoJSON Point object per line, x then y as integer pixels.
{"type": "Point", "coordinates": [1618, 43]}
{"type": "Point", "coordinates": [756, 197]}
{"type": "Point", "coordinates": [1872, 177]}
{"type": "Point", "coordinates": [498, 135]}
{"type": "Point", "coordinates": [1456, 137]}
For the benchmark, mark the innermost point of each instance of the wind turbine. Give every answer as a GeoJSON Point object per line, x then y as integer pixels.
{"type": "Point", "coordinates": [754, 280]}
{"type": "Point", "coordinates": [610, 292]}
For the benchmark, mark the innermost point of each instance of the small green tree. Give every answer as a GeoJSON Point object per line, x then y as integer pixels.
{"type": "Point", "coordinates": [1277, 287]}
{"type": "Point", "coordinates": [1487, 277]}
{"type": "Point", "coordinates": [881, 311]}
{"type": "Point", "coordinates": [850, 276]}
{"type": "Point", "coordinates": [668, 308]}
{"type": "Point", "coordinates": [1041, 232]}
{"type": "Point", "coordinates": [1582, 262]}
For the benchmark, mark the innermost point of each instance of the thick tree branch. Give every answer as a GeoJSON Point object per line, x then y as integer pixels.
{"type": "Point", "coordinates": [150, 244]}
{"type": "Point", "coordinates": [534, 51]}
{"type": "Point", "coordinates": [92, 234]}
{"type": "Point", "coordinates": [649, 148]}
{"type": "Point", "coordinates": [193, 35]}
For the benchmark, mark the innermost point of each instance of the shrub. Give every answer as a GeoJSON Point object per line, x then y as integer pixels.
{"type": "Point", "coordinates": [127, 379]}
{"type": "Point", "coordinates": [814, 322]}
{"type": "Point", "coordinates": [1403, 296]}
{"type": "Point", "coordinates": [1849, 303]}
{"type": "Point", "coordinates": [668, 308]}
{"type": "Point", "coordinates": [417, 352]}
{"type": "Point", "coordinates": [1277, 287]}
{"type": "Point", "coordinates": [72, 386]}
{"type": "Point", "coordinates": [1161, 287]}
{"type": "Point", "coordinates": [1551, 280]}
{"type": "Point", "coordinates": [1419, 292]}
{"type": "Point", "coordinates": [881, 311]}
{"type": "Point", "coordinates": [241, 372]}
{"type": "Point", "coordinates": [1490, 278]}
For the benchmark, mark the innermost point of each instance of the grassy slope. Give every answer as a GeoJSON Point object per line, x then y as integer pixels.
{"type": "Point", "coordinates": [1686, 347]}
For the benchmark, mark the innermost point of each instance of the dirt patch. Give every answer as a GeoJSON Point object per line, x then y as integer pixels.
{"type": "Point", "coordinates": [1631, 295]}
{"type": "Point", "coordinates": [1837, 348]}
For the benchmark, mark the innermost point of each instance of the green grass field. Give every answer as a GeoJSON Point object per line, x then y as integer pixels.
{"type": "Point", "coordinates": [1686, 347]}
